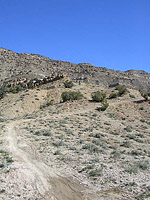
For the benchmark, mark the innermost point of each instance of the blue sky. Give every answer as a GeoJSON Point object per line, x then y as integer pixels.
{"type": "Point", "coordinates": [107, 33]}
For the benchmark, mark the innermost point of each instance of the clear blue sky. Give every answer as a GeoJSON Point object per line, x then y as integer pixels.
{"type": "Point", "coordinates": [107, 33]}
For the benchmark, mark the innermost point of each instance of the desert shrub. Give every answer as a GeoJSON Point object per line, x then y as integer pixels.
{"type": "Point", "coordinates": [131, 136]}
{"type": "Point", "coordinates": [71, 95]}
{"type": "Point", "coordinates": [115, 154]}
{"type": "Point", "coordinates": [72, 148]}
{"type": "Point", "coordinates": [9, 160]}
{"type": "Point", "coordinates": [91, 147]}
{"type": "Point", "coordinates": [30, 84]}
{"type": "Point", "coordinates": [132, 96]}
{"type": "Point", "coordinates": [132, 169]}
{"type": "Point", "coordinates": [114, 133]}
{"type": "Point", "coordinates": [96, 172]}
{"type": "Point", "coordinates": [58, 143]}
{"type": "Point", "coordinates": [87, 168]}
{"type": "Point", "coordinates": [144, 165]}
{"type": "Point", "coordinates": [42, 106]}
{"type": "Point", "coordinates": [1, 165]}
{"type": "Point", "coordinates": [50, 87]}
{"type": "Point", "coordinates": [14, 89]}
{"type": "Point", "coordinates": [104, 106]}
{"type": "Point", "coordinates": [1, 94]}
{"type": "Point", "coordinates": [68, 84]}
{"type": "Point", "coordinates": [113, 95]}
{"type": "Point", "coordinates": [135, 153]}
{"type": "Point", "coordinates": [141, 108]}
{"type": "Point", "coordinates": [57, 152]}
{"type": "Point", "coordinates": [50, 103]}
{"type": "Point", "coordinates": [122, 90]}
{"type": "Point", "coordinates": [144, 95]}
{"type": "Point", "coordinates": [128, 129]}
{"type": "Point", "coordinates": [126, 144]}
{"type": "Point", "coordinates": [142, 196]}
{"type": "Point", "coordinates": [47, 133]}
{"type": "Point", "coordinates": [96, 142]}
{"type": "Point", "coordinates": [98, 135]}
{"type": "Point", "coordinates": [98, 96]}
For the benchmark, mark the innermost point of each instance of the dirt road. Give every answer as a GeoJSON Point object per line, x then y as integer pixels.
{"type": "Point", "coordinates": [49, 184]}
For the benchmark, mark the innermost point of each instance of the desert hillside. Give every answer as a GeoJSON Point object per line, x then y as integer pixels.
{"type": "Point", "coordinates": [14, 65]}
{"type": "Point", "coordinates": [72, 132]}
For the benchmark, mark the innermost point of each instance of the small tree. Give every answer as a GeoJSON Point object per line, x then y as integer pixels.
{"type": "Point", "coordinates": [98, 96]}
{"type": "Point", "coordinates": [68, 84]}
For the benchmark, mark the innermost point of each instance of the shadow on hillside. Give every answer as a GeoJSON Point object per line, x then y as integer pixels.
{"type": "Point", "coordinates": [92, 101]}
{"type": "Point", "coordinates": [140, 101]}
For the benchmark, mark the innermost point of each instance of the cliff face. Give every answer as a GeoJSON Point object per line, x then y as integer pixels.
{"type": "Point", "coordinates": [14, 65]}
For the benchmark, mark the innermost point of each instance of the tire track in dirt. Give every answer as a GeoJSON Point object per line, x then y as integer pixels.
{"type": "Point", "coordinates": [34, 166]}
{"type": "Point", "coordinates": [49, 183]}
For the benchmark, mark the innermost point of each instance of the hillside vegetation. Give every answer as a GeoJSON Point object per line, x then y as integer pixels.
{"type": "Point", "coordinates": [72, 140]}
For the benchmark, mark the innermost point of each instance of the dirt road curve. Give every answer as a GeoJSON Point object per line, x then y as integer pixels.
{"type": "Point", "coordinates": [49, 184]}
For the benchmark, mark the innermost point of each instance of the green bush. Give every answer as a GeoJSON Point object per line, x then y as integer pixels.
{"type": "Point", "coordinates": [128, 129]}
{"type": "Point", "coordinates": [50, 103]}
{"type": "Point", "coordinates": [104, 106]}
{"type": "Point", "coordinates": [71, 95]}
{"type": "Point", "coordinates": [97, 172]}
{"type": "Point", "coordinates": [98, 96]}
{"type": "Point", "coordinates": [132, 96]}
{"type": "Point", "coordinates": [87, 168]}
{"type": "Point", "coordinates": [1, 94]}
{"type": "Point", "coordinates": [145, 95]}
{"type": "Point", "coordinates": [126, 144]}
{"type": "Point", "coordinates": [68, 84]}
{"type": "Point", "coordinates": [113, 95]}
{"type": "Point", "coordinates": [91, 147]}
{"type": "Point", "coordinates": [144, 165]}
{"type": "Point", "coordinates": [14, 89]}
{"type": "Point", "coordinates": [122, 90]}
